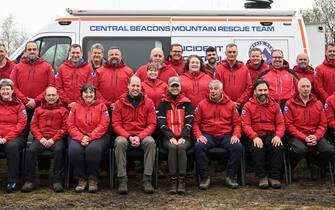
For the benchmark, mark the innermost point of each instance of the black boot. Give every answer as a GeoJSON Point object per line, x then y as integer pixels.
{"type": "Point", "coordinates": [181, 185]}
{"type": "Point", "coordinates": [173, 185]}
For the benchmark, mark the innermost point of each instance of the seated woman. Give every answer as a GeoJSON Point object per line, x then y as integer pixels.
{"type": "Point", "coordinates": [175, 119]}
{"type": "Point", "coordinates": [12, 123]}
{"type": "Point", "coordinates": [87, 125]}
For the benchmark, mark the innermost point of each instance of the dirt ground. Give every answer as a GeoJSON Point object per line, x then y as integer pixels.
{"type": "Point", "coordinates": [304, 194]}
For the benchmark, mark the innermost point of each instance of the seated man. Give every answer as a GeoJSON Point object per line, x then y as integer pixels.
{"type": "Point", "coordinates": [134, 121]}
{"type": "Point", "coordinates": [48, 127]}
{"type": "Point", "coordinates": [217, 124]}
{"type": "Point", "coordinates": [263, 123]}
{"type": "Point", "coordinates": [306, 123]}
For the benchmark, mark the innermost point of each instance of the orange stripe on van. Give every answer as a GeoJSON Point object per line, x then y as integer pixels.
{"type": "Point", "coordinates": [199, 19]}
{"type": "Point", "coordinates": [260, 19]}
{"type": "Point", "coordinates": [67, 19]}
{"type": "Point", "coordinates": [303, 36]}
{"type": "Point", "coordinates": [113, 19]}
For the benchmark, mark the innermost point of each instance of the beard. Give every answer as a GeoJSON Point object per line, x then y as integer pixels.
{"type": "Point", "coordinates": [262, 97]}
{"type": "Point", "coordinates": [114, 62]}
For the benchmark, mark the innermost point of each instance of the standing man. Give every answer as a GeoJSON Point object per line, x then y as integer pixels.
{"type": "Point", "coordinates": [164, 72]}
{"type": "Point", "coordinates": [6, 65]}
{"type": "Point", "coordinates": [48, 127]}
{"type": "Point", "coordinates": [211, 57]}
{"type": "Point", "coordinates": [175, 59]}
{"type": "Point", "coordinates": [256, 65]}
{"type": "Point", "coordinates": [263, 123]}
{"type": "Point", "coordinates": [306, 124]}
{"type": "Point", "coordinates": [134, 121]}
{"type": "Point", "coordinates": [217, 124]}
{"type": "Point", "coordinates": [235, 77]}
{"type": "Point", "coordinates": [113, 77]}
{"type": "Point", "coordinates": [97, 60]}
{"type": "Point", "coordinates": [325, 79]}
{"type": "Point", "coordinates": [72, 75]}
{"type": "Point", "coordinates": [303, 69]}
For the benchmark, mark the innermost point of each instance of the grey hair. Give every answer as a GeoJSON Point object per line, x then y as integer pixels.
{"type": "Point", "coordinates": [6, 82]}
{"type": "Point", "coordinates": [304, 79]}
{"type": "Point", "coordinates": [216, 82]}
{"type": "Point", "coordinates": [97, 46]}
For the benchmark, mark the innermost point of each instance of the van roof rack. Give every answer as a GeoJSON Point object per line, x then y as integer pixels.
{"type": "Point", "coordinates": [258, 4]}
{"type": "Point", "coordinates": [245, 12]}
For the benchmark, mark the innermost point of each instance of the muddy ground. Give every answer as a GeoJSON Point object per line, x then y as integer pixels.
{"type": "Point", "coordinates": [304, 194]}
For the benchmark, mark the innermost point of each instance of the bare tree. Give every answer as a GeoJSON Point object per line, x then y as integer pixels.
{"type": "Point", "coordinates": [323, 11]}
{"type": "Point", "coordinates": [10, 35]}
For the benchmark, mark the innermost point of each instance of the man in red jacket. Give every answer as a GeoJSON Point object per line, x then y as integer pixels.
{"type": "Point", "coordinates": [6, 65]}
{"type": "Point", "coordinates": [235, 77]}
{"type": "Point", "coordinates": [211, 57]}
{"type": "Point", "coordinates": [217, 124]}
{"type": "Point", "coordinates": [175, 59]}
{"type": "Point", "coordinates": [306, 124]}
{"type": "Point", "coordinates": [303, 69]}
{"type": "Point", "coordinates": [96, 60]}
{"type": "Point", "coordinates": [256, 65]}
{"type": "Point", "coordinates": [263, 123]}
{"type": "Point", "coordinates": [134, 121]}
{"type": "Point", "coordinates": [48, 127]}
{"type": "Point", "coordinates": [72, 75]}
{"type": "Point", "coordinates": [113, 77]}
{"type": "Point", "coordinates": [325, 79]}
{"type": "Point", "coordinates": [165, 71]}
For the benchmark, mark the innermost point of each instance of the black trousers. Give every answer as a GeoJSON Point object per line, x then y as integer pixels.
{"type": "Point", "coordinates": [268, 161]}
{"type": "Point", "coordinates": [86, 160]}
{"type": "Point", "coordinates": [58, 160]}
{"type": "Point", "coordinates": [299, 149]}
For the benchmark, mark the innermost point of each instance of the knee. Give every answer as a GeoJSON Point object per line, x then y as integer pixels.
{"type": "Point", "coordinates": [149, 142]}
{"type": "Point", "coordinates": [236, 148]}
{"type": "Point", "coordinates": [11, 147]}
{"type": "Point", "coordinates": [121, 142]}
{"type": "Point", "coordinates": [93, 151]}
{"type": "Point", "coordinates": [171, 147]}
{"type": "Point", "coordinates": [300, 151]}
{"type": "Point", "coordinates": [199, 146]}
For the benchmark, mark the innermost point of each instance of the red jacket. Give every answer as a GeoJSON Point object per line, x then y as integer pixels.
{"type": "Point", "coordinates": [236, 81]}
{"type": "Point", "coordinates": [175, 117]}
{"type": "Point", "coordinates": [330, 111]}
{"type": "Point", "coordinates": [217, 119]}
{"type": "Point", "coordinates": [325, 79]}
{"type": "Point", "coordinates": [164, 73]}
{"type": "Point", "coordinates": [283, 83]}
{"type": "Point", "coordinates": [130, 121]}
{"type": "Point", "coordinates": [113, 82]}
{"type": "Point", "coordinates": [155, 90]}
{"type": "Point", "coordinates": [91, 121]}
{"type": "Point", "coordinates": [13, 118]}
{"type": "Point", "coordinates": [302, 120]}
{"type": "Point", "coordinates": [255, 71]}
{"type": "Point", "coordinates": [70, 79]}
{"type": "Point", "coordinates": [210, 71]}
{"type": "Point", "coordinates": [309, 73]}
{"type": "Point", "coordinates": [31, 79]}
{"type": "Point", "coordinates": [49, 121]}
{"type": "Point", "coordinates": [178, 65]}
{"type": "Point", "coordinates": [261, 119]}
{"type": "Point", "coordinates": [195, 86]}
{"type": "Point", "coordinates": [7, 69]}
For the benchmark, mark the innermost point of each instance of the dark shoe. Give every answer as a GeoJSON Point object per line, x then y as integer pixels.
{"type": "Point", "coordinates": [27, 187]}
{"type": "Point", "coordinates": [58, 187]}
{"type": "Point", "coordinates": [263, 183]}
{"type": "Point", "coordinates": [173, 185]}
{"type": "Point", "coordinates": [315, 172]}
{"type": "Point", "coordinates": [204, 183]}
{"type": "Point", "coordinates": [275, 183]}
{"type": "Point", "coordinates": [93, 184]}
{"type": "Point", "coordinates": [123, 188]}
{"type": "Point", "coordinates": [82, 184]}
{"type": "Point", "coordinates": [147, 186]}
{"type": "Point", "coordinates": [181, 189]}
{"type": "Point", "coordinates": [231, 183]}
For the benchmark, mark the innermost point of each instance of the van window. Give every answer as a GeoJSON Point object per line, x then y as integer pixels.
{"type": "Point", "coordinates": [135, 50]}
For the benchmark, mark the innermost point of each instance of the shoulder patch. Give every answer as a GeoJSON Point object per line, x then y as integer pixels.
{"type": "Point", "coordinates": [326, 106]}
{"type": "Point", "coordinates": [24, 112]}
{"type": "Point", "coordinates": [107, 114]}
{"type": "Point", "coordinates": [244, 112]}
{"type": "Point", "coordinates": [196, 110]}
{"type": "Point", "coordinates": [285, 109]}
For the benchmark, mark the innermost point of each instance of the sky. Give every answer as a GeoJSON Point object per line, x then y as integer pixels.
{"type": "Point", "coordinates": [31, 15]}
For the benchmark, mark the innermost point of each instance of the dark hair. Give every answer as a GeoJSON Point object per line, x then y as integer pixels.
{"type": "Point", "coordinates": [152, 65]}
{"type": "Point", "coordinates": [259, 82]}
{"type": "Point", "coordinates": [176, 45]}
{"type": "Point", "coordinates": [277, 50]}
{"type": "Point", "coordinates": [30, 42]}
{"type": "Point", "coordinates": [329, 45]}
{"type": "Point", "coordinates": [187, 63]}
{"type": "Point", "coordinates": [254, 50]}
{"type": "Point", "coordinates": [88, 86]}
{"type": "Point", "coordinates": [210, 49]}
{"type": "Point", "coordinates": [75, 46]}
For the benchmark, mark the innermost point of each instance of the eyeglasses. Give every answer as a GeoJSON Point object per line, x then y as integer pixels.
{"type": "Point", "coordinates": [174, 85]}
{"type": "Point", "coordinates": [277, 57]}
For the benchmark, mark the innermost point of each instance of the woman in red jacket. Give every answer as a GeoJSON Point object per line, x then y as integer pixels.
{"type": "Point", "coordinates": [87, 125]}
{"type": "Point", "coordinates": [12, 122]}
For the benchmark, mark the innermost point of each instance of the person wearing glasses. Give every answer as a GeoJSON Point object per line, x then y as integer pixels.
{"type": "Point", "coordinates": [176, 59]}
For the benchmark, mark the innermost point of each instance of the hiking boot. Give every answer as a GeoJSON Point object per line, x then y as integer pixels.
{"type": "Point", "coordinates": [147, 186]}
{"type": "Point", "coordinates": [204, 183]}
{"type": "Point", "coordinates": [275, 183]}
{"type": "Point", "coordinates": [123, 187]}
{"type": "Point", "coordinates": [27, 187]}
{"type": "Point", "coordinates": [93, 184]}
{"type": "Point", "coordinates": [231, 183]}
{"type": "Point", "coordinates": [58, 187]}
{"type": "Point", "coordinates": [181, 189]}
{"type": "Point", "coordinates": [173, 185]}
{"type": "Point", "coordinates": [82, 184]}
{"type": "Point", "coordinates": [263, 183]}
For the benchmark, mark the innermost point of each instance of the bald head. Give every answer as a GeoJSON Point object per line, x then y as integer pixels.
{"type": "Point", "coordinates": [157, 55]}
{"type": "Point", "coordinates": [302, 60]}
{"type": "Point", "coordinates": [51, 95]}
{"type": "Point", "coordinates": [304, 87]}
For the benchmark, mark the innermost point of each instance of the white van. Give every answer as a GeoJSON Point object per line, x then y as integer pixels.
{"type": "Point", "coordinates": [137, 32]}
